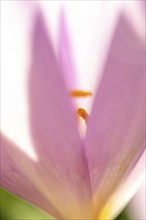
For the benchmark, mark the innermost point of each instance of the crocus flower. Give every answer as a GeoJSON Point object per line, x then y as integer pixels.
{"type": "Point", "coordinates": [72, 177]}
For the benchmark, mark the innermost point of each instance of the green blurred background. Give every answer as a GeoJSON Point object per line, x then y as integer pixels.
{"type": "Point", "coordinates": [13, 208]}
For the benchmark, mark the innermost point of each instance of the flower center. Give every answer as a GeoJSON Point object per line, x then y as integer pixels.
{"type": "Point", "coordinates": [81, 94]}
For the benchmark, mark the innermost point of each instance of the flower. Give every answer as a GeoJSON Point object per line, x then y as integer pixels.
{"type": "Point", "coordinates": [70, 177]}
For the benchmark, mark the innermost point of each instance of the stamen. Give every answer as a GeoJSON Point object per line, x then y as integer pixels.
{"type": "Point", "coordinates": [82, 113]}
{"type": "Point", "coordinates": [80, 93]}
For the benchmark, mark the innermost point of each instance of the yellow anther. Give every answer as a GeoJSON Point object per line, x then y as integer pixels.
{"type": "Point", "coordinates": [80, 93]}
{"type": "Point", "coordinates": [82, 113]}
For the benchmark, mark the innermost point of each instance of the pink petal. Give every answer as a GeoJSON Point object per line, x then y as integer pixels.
{"type": "Point", "coordinates": [116, 134]}
{"type": "Point", "coordinates": [14, 176]}
{"type": "Point", "coordinates": [65, 54]}
{"type": "Point", "coordinates": [61, 173]}
{"type": "Point", "coordinates": [127, 189]}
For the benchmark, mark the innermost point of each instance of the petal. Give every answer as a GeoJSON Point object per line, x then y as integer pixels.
{"type": "Point", "coordinates": [15, 179]}
{"type": "Point", "coordinates": [53, 126]}
{"type": "Point", "coordinates": [115, 133]}
{"type": "Point", "coordinates": [136, 208]}
{"type": "Point", "coordinates": [126, 190]}
{"type": "Point", "coordinates": [59, 176]}
{"type": "Point", "coordinates": [65, 54]}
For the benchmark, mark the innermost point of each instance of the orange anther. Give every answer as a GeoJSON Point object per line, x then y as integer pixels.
{"type": "Point", "coordinates": [80, 93]}
{"type": "Point", "coordinates": [82, 113]}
